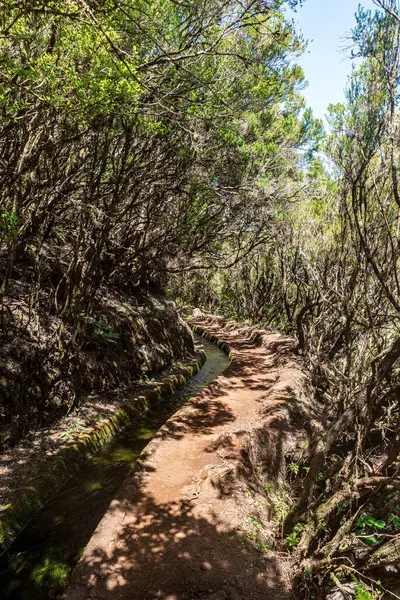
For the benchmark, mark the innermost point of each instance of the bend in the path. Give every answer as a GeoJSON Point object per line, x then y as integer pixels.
{"type": "Point", "coordinates": [174, 530]}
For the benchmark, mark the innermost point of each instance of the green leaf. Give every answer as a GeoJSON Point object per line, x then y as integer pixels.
{"type": "Point", "coordinates": [371, 540]}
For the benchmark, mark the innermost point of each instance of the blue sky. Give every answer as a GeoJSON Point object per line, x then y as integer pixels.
{"type": "Point", "coordinates": [325, 23]}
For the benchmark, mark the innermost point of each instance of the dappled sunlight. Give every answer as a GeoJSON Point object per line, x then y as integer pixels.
{"type": "Point", "coordinates": [175, 529]}
{"type": "Point", "coordinates": [167, 552]}
{"type": "Point", "coordinates": [63, 527]}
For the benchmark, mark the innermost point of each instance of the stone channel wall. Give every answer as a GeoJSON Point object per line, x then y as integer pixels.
{"type": "Point", "coordinates": [64, 463]}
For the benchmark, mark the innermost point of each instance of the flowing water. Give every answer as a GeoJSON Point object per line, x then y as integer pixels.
{"type": "Point", "coordinates": [39, 561]}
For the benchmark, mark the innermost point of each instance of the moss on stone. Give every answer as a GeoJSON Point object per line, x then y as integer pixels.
{"type": "Point", "coordinates": [93, 486]}
{"type": "Point", "coordinates": [51, 573]}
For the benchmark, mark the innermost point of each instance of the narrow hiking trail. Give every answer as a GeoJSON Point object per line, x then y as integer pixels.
{"type": "Point", "coordinates": [177, 527]}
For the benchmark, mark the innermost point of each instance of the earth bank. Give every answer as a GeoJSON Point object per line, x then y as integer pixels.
{"type": "Point", "coordinates": [149, 354]}
{"type": "Point", "coordinates": [47, 373]}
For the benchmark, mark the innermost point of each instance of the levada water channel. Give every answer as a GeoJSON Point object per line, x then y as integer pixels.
{"type": "Point", "coordinates": [37, 564]}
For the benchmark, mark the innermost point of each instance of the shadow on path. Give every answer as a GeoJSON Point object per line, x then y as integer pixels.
{"type": "Point", "coordinates": [169, 551]}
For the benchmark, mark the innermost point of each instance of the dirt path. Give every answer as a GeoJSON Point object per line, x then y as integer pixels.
{"type": "Point", "coordinates": [179, 526]}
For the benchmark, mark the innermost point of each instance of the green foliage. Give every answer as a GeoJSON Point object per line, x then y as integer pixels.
{"type": "Point", "coordinates": [344, 506]}
{"type": "Point", "coordinates": [52, 574]}
{"type": "Point", "coordinates": [368, 521]}
{"type": "Point", "coordinates": [292, 539]}
{"type": "Point", "coordinates": [394, 521]}
{"type": "Point", "coordinates": [367, 527]}
{"type": "Point", "coordinates": [294, 467]}
{"type": "Point", "coordinates": [9, 226]}
{"type": "Point", "coordinates": [362, 593]}
{"type": "Point", "coordinates": [143, 123]}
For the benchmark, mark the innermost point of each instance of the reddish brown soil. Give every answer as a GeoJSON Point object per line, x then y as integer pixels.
{"type": "Point", "coordinates": [177, 529]}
